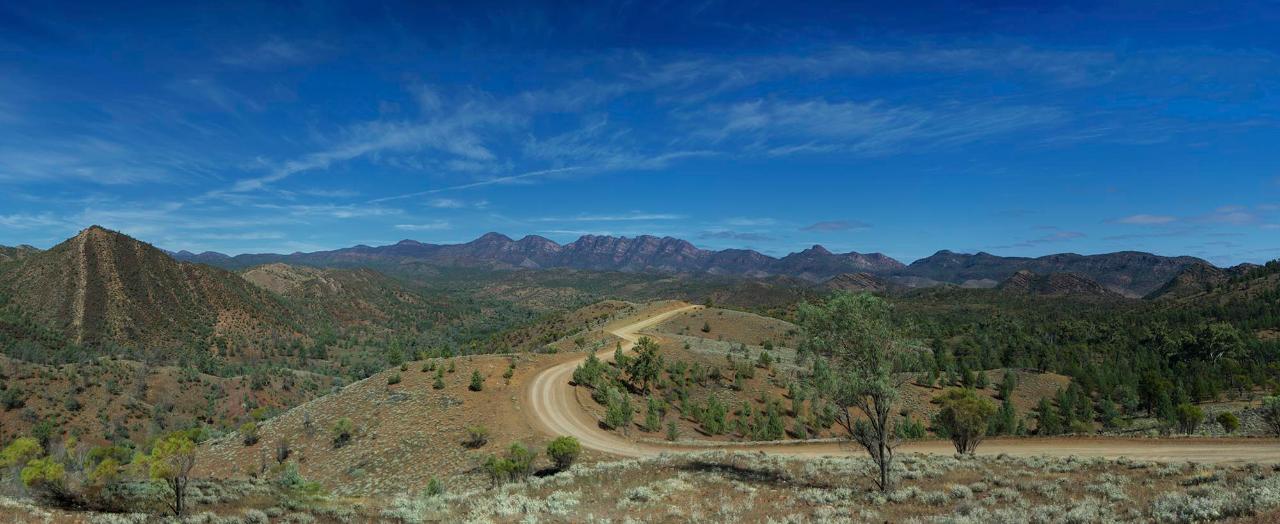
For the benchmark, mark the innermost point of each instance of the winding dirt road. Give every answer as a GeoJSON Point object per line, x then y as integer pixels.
{"type": "Point", "coordinates": [553, 406]}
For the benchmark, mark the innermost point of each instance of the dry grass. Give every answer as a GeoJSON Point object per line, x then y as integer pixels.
{"type": "Point", "coordinates": [405, 433]}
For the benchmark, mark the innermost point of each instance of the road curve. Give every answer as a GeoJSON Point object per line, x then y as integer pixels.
{"type": "Point", "coordinates": [553, 407]}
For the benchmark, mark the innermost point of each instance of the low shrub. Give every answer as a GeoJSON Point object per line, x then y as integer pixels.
{"type": "Point", "coordinates": [563, 451]}
{"type": "Point", "coordinates": [477, 436]}
{"type": "Point", "coordinates": [343, 431]}
{"type": "Point", "coordinates": [249, 433]}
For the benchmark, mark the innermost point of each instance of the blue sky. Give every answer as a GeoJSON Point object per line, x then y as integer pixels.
{"type": "Point", "coordinates": [1012, 128]}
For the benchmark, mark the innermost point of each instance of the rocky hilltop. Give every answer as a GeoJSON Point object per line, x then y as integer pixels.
{"type": "Point", "coordinates": [102, 287]}
{"type": "Point", "coordinates": [855, 282]}
{"type": "Point", "coordinates": [1055, 285]}
{"type": "Point", "coordinates": [1130, 273]}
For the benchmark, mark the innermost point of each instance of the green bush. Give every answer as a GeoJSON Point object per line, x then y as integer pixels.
{"type": "Point", "coordinates": [768, 424]}
{"type": "Point", "coordinates": [517, 465]}
{"type": "Point", "coordinates": [713, 417]}
{"type": "Point", "coordinates": [477, 381]}
{"type": "Point", "coordinates": [435, 488]}
{"type": "Point", "coordinates": [1189, 417]}
{"type": "Point", "coordinates": [765, 361]}
{"type": "Point", "coordinates": [477, 436]}
{"type": "Point", "coordinates": [588, 373]}
{"type": "Point", "coordinates": [964, 417]}
{"type": "Point", "coordinates": [1080, 427]}
{"type": "Point", "coordinates": [653, 415]}
{"type": "Point", "coordinates": [249, 433]}
{"type": "Point", "coordinates": [393, 379]}
{"type": "Point", "coordinates": [21, 450]}
{"type": "Point", "coordinates": [343, 431]}
{"type": "Point", "coordinates": [618, 410]}
{"type": "Point", "coordinates": [46, 479]}
{"type": "Point", "coordinates": [910, 428]}
{"type": "Point", "coordinates": [12, 398]}
{"type": "Point", "coordinates": [1229, 421]}
{"type": "Point", "coordinates": [563, 451]}
{"type": "Point", "coordinates": [1048, 421]}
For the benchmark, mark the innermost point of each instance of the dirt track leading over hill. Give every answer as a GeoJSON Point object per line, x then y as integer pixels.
{"type": "Point", "coordinates": [554, 409]}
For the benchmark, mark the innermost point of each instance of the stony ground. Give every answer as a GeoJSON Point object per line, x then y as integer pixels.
{"type": "Point", "coordinates": [405, 433]}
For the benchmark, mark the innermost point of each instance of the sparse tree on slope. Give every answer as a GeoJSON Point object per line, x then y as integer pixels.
{"type": "Point", "coordinates": [645, 367]}
{"type": "Point", "coordinates": [853, 332]}
{"type": "Point", "coordinates": [171, 461]}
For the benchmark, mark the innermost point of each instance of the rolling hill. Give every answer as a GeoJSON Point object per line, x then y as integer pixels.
{"type": "Point", "coordinates": [102, 287]}
{"type": "Point", "coordinates": [8, 253]}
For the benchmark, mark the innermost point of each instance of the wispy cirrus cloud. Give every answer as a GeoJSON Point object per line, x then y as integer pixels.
{"type": "Point", "coordinates": [333, 210]}
{"type": "Point", "coordinates": [456, 136]}
{"type": "Point", "coordinates": [1231, 215]}
{"type": "Point", "coordinates": [446, 203]}
{"type": "Point", "coordinates": [83, 159]}
{"type": "Point", "coordinates": [634, 216]}
{"type": "Point", "coordinates": [751, 222]}
{"type": "Point", "coordinates": [1146, 220]}
{"type": "Point", "coordinates": [745, 236]}
{"type": "Point", "coordinates": [1054, 235]}
{"type": "Point", "coordinates": [699, 77]}
{"type": "Point", "coordinates": [509, 179]}
{"type": "Point", "coordinates": [30, 221]}
{"type": "Point", "coordinates": [272, 53]}
{"type": "Point", "coordinates": [210, 91]}
{"type": "Point", "coordinates": [786, 127]}
{"type": "Point", "coordinates": [435, 225]}
{"type": "Point", "coordinates": [836, 225]}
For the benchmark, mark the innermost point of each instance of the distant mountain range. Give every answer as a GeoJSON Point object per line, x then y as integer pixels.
{"type": "Point", "coordinates": [1129, 273]}
{"type": "Point", "coordinates": [102, 287]}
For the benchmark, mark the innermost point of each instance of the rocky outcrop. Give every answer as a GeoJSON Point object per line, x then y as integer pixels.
{"type": "Point", "coordinates": [1055, 285]}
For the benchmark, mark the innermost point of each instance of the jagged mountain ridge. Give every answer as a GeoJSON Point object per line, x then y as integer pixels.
{"type": "Point", "coordinates": [1130, 273]}
{"type": "Point", "coordinates": [590, 252]}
